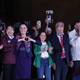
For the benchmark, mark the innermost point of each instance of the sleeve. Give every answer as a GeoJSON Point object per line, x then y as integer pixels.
{"type": "Point", "coordinates": [38, 43]}
{"type": "Point", "coordinates": [37, 50]}
{"type": "Point", "coordinates": [72, 38]}
{"type": "Point", "coordinates": [50, 46]}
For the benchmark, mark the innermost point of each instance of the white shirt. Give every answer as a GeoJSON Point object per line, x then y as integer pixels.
{"type": "Point", "coordinates": [75, 45]}
{"type": "Point", "coordinates": [59, 37]}
{"type": "Point", "coordinates": [44, 48]}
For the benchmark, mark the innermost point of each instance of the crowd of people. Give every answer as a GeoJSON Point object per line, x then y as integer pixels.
{"type": "Point", "coordinates": [47, 51]}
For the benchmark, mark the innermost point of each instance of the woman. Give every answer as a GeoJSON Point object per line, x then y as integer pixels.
{"type": "Point", "coordinates": [24, 54]}
{"type": "Point", "coordinates": [8, 44]}
{"type": "Point", "coordinates": [43, 60]}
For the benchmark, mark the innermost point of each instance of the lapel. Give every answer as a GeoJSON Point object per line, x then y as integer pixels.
{"type": "Point", "coordinates": [64, 40]}
{"type": "Point", "coordinates": [57, 40]}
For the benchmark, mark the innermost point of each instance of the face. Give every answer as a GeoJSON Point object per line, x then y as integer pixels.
{"type": "Point", "coordinates": [77, 26]}
{"type": "Point", "coordinates": [60, 27]}
{"type": "Point", "coordinates": [23, 29]}
{"type": "Point", "coordinates": [38, 24]}
{"type": "Point", "coordinates": [10, 31]}
{"type": "Point", "coordinates": [43, 36]}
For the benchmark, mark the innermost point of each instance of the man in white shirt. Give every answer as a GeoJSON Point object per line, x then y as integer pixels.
{"type": "Point", "coordinates": [74, 37]}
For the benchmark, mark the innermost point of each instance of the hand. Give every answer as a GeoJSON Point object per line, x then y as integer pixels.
{"type": "Point", "coordinates": [50, 49]}
{"type": "Point", "coordinates": [54, 66]}
{"type": "Point", "coordinates": [1, 46]}
{"type": "Point", "coordinates": [71, 64]}
{"type": "Point", "coordinates": [78, 31]}
{"type": "Point", "coordinates": [21, 40]}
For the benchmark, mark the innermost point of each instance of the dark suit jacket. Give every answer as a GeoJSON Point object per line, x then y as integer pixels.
{"type": "Point", "coordinates": [58, 49]}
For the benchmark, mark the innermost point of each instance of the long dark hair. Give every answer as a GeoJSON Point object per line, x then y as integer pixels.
{"type": "Point", "coordinates": [40, 34]}
{"type": "Point", "coordinates": [26, 26]}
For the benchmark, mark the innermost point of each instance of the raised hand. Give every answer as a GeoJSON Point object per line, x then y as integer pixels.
{"type": "Point", "coordinates": [1, 46]}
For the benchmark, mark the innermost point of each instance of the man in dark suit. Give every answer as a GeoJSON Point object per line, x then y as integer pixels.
{"type": "Point", "coordinates": [62, 55]}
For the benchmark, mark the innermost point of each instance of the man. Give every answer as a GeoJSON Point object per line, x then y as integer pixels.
{"type": "Point", "coordinates": [62, 57]}
{"type": "Point", "coordinates": [74, 37]}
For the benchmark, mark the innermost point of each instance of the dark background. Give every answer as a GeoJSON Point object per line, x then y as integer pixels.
{"type": "Point", "coordinates": [14, 10]}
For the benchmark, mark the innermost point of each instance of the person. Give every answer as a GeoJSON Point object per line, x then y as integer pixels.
{"type": "Point", "coordinates": [48, 32]}
{"type": "Point", "coordinates": [43, 60]}
{"type": "Point", "coordinates": [8, 43]}
{"type": "Point", "coordinates": [2, 33]}
{"type": "Point", "coordinates": [24, 54]}
{"type": "Point", "coordinates": [1, 51]}
{"type": "Point", "coordinates": [61, 49]}
{"type": "Point", "coordinates": [74, 37]}
{"type": "Point", "coordinates": [34, 32]}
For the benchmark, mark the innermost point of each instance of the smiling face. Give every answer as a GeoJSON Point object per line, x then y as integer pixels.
{"type": "Point", "coordinates": [43, 36]}
{"type": "Point", "coordinates": [23, 29]}
{"type": "Point", "coordinates": [10, 31]}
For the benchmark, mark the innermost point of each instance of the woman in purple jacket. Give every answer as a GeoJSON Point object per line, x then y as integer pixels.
{"type": "Point", "coordinates": [24, 54]}
{"type": "Point", "coordinates": [8, 44]}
